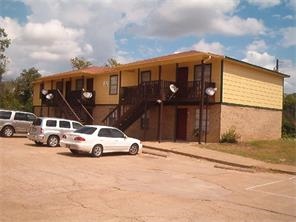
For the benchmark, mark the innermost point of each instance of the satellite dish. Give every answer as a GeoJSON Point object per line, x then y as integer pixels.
{"type": "Point", "coordinates": [159, 101]}
{"type": "Point", "coordinates": [49, 96]}
{"type": "Point", "coordinates": [87, 95]}
{"type": "Point", "coordinates": [44, 92]}
{"type": "Point", "coordinates": [173, 88]}
{"type": "Point", "coordinates": [211, 91]}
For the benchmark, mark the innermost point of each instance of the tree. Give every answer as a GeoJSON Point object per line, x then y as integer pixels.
{"type": "Point", "coordinates": [8, 99]}
{"type": "Point", "coordinates": [24, 87]}
{"type": "Point", "coordinates": [4, 44]}
{"type": "Point", "coordinates": [79, 63]}
{"type": "Point", "coordinates": [289, 116]}
{"type": "Point", "coordinates": [112, 63]}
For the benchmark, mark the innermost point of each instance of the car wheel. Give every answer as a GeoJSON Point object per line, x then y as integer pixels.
{"type": "Point", "coordinates": [38, 143]}
{"type": "Point", "coordinates": [97, 151]}
{"type": "Point", "coordinates": [134, 149]}
{"type": "Point", "coordinates": [74, 151]}
{"type": "Point", "coordinates": [8, 131]}
{"type": "Point", "coordinates": [53, 141]}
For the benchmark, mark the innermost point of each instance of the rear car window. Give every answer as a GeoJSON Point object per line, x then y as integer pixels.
{"type": "Point", "coordinates": [76, 125]}
{"type": "Point", "coordinates": [31, 117]}
{"type": "Point", "coordinates": [20, 116]}
{"type": "Point", "coordinates": [52, 123]}
{"type": "Point", "coordinates": [86, 130]}
{"type": "Point", "coordinates": [65, 124]}
{"type": "Point", "coordinates": [37, 122]}
{"type": "Point", "coordinates": [5, 114]}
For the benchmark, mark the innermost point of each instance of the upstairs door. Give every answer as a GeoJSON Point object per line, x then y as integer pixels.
{"type": "Point", "coordinates": [182, 81]}
{"type": "Point", "coordinates": [90, 84]}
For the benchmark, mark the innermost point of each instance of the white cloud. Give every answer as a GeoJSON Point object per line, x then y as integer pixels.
{"type": "Point", "coordinates": [288, 67]}
{"type": "Point", "coordinates": [292, 3]}
{"type": "Point", "coordinates": [289, 36]}
{"type": "Point", "coordinates": [261, 59]}
{"type": "Point", "coordinates": [173, 18]}
{"type": "Point", "coordinates": [202, 45]}
{"type": "Point", "coordinates": [42, 45]}
{"type": "Point", "coordinates": [264, 3]}
{"type": "Point", "coordinates": [257, 45]}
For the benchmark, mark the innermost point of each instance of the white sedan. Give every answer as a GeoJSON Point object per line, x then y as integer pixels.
{"type": "Point", "coordinates": [96, 140]}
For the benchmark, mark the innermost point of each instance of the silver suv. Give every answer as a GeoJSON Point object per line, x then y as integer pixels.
{"type": "Point", "coordinates": [15, 122]}
{"type": "Point", "coordinates": [50, 130]}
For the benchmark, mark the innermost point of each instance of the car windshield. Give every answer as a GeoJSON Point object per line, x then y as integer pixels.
{"type": "Point", "coordinates": [86, 130]}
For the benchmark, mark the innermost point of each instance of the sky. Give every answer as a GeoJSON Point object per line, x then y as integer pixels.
{"type": "Point", "coordinates": [46, 34]}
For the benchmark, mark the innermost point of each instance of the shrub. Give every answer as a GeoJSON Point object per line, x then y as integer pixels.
{"type": "Point", "coordinates": [230, 136]}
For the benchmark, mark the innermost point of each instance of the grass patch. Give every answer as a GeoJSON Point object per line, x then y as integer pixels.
{"type": "Point", "coordinates": [271, 151]}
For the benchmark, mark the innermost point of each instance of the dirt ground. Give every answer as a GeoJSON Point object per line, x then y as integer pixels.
{"type": "Point", "coordinates": [50, 184]}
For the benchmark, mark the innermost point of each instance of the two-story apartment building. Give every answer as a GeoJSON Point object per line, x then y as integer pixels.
{"type": "Point", "coordinates": [165, 98]}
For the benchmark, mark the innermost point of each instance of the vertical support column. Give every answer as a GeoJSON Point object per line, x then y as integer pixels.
{"type": "Point", "coordinates": [120, 96]}
{"type": "Point", "coordinates": [160, 108]}
{"type": "Point", "coordinates": [176, 107]}
{"type": "Point", "coordinates": [201, 106]}
{"type": "Point", "coordinates": [138, 76]}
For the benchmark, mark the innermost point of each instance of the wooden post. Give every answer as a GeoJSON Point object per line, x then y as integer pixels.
{"type": "Point", "coordinates": [201, 106]}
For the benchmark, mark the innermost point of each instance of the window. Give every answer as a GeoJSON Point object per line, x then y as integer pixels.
{"type": "Point", "coordinates": [205, 120]}
{"type": "Point", "coordinates": [51, 123]}
{"type": "Point", "coordinates": [145, 76]}
{"type": "Point", "coordinates": [86, 130]}
{"type": "Point", "coordinates": [207, 72]}
{"type": "Point", "coordinates": [20, 116]}
{"type": "Point", "coordinates": [5, 115]}
{"type": "Point", "coordinates": [116, 133]}
{"type": "Point", "coordinates": [76, 125]}
{"type": "Point", "coordinates": [113, 85]}
{"type": "Point", "coordinates": [65, 124]}
{"type": "Point", "coordinates": [105, 132]}
{"type": "Point", "coordinates": [79, 84]}
{"type": "Point", "coordinates": [31, 117]}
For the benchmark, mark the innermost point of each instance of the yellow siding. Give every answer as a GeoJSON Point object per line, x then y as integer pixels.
{"type": "Point", "coordinates": [36, 93]}
{"type": "Point", "coordinates": [168, 72]}
{"type": "Point", "coordinates": [129, 78]}
{"type": "Point", "coordinates": [101, 86]}
{"type": "Point", "coordinates": [251, 86]}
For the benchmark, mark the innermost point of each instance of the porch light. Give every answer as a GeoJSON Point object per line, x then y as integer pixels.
{"type": "Point", "coordinates": [44, 92]}
{"type": "Point", "coordinates": [210, 91]}
{"type": "Point", "coordinates": [87, 95]}
{"type": "Point", "coordinates": [49, 96]}
{"type": "Point", "coordinates": [174, 88]}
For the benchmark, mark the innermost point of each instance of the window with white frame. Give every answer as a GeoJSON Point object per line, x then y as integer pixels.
{"type": "Point", "coordinates": [207, 72]}
{"type": "Point", "coordinates": [205, 121]}
{"type": "Point", "coordinates": [113, 86]}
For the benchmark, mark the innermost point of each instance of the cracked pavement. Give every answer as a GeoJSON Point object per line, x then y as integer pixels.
{"type": "Point", "coordinates": [50, 184]}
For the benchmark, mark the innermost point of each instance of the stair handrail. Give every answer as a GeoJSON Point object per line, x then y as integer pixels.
{"type": "Point", "coordinates": [67, 104]}
{"type": "Point", "coordinates": [85, 110]}
{"type": "Point", "coordinates": [111, 112]}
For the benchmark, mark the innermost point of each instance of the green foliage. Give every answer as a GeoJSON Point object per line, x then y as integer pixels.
{"type": "Point", "coordinates": [18, 94]}
{"type": "Point", "coordinates": [112, 63]}
{"type": "Point", "coordinates": [4, 44]}
{"type": "Point", "coordinates": [289, 116]}
{"type": "Point", "coordinates": [230, 136]}
{"type": "Point", "coordinates": [79, 63]}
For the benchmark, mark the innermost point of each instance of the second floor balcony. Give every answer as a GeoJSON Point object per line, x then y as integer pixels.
{"type": "Point", "coordinates": [189, 92]}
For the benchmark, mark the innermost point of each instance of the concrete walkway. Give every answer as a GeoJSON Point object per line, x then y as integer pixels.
{"type": "Point", "coordinates": [195, 151]}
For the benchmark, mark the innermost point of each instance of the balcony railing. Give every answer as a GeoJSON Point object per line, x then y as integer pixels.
{"type": "Point", "coordinates": [154, 90]}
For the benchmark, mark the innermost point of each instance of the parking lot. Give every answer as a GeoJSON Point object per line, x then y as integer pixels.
{"type": "Point", "coordinates": [51, 184]}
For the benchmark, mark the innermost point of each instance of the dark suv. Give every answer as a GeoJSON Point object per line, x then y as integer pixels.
{"type": "Point", "coordinates": [15, 122]}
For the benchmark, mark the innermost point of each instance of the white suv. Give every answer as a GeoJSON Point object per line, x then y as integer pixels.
{"type": "Point", "coordinates": [15, 122]}
{"type": "Point", "coordinates": [50, 130]}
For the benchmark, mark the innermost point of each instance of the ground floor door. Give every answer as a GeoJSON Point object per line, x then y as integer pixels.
{"type": "Point", "coordinates": [181, 124]}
